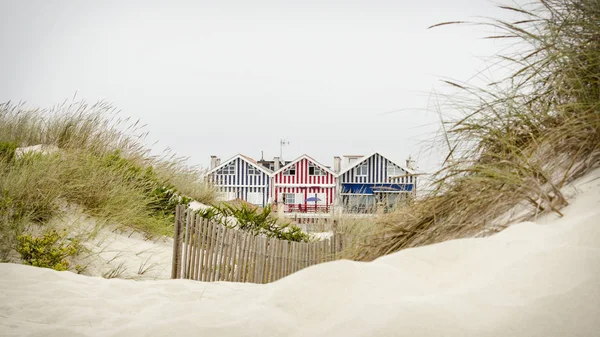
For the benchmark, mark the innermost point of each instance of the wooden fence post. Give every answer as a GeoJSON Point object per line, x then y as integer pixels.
{"type": "Point", "coordinates": [176, 244]}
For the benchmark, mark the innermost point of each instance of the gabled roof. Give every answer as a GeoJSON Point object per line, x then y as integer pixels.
{"type": "Point", "coordinates": [245, 158]}
{"type": "Point", "coordinates": [363, 159]}
{"type": "Point", "coordinates": [293, 162]}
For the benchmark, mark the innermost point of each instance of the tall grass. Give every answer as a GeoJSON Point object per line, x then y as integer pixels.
{"type": "Point", "coordinates": [518, 140]}
{"type": "Point", "coordinates": [100, 165]}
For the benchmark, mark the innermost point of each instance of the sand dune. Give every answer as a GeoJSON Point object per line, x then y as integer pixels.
{"type": "Point", "coordinates": [534, 279]}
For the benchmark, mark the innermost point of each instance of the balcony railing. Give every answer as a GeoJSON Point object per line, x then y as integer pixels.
{"type": "Point", "coordinates": [300, 208]}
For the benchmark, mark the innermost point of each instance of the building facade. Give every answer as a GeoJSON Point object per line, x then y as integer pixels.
{"type": "Point", "coordinates": [373, 181]}
{"type": "Point", "coordinates": [304, 185]}
{"type": "Point", "coordinates": [241, 177]}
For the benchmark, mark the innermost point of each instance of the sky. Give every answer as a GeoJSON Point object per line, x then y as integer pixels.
{"type": "Point", "coordinates": [226, 77]}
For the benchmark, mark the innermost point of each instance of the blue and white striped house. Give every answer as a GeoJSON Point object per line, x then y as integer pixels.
{"type": "Point", "coordinates": [367, 181]}
{"type": "Point", "coordinates": [241, 177]}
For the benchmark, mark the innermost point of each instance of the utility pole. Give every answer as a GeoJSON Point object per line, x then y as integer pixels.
{"type": "Point", "coordinates": [282, 143]}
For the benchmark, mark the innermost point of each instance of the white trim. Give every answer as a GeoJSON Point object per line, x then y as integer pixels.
{"type": "Point", "coordinates": [391, 192]}
{"type": "Point", "coordinates": [304, 156]}
{"type": "Point", "coordinates": [347, 169]}
{"type": "Point", "coordinates": [242, 157]}
{"type": "Point", "coordinates": [261, 186]}
{"type": "Point", "coordinates": [306, 185]}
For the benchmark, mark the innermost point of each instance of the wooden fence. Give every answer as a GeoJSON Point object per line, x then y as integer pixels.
{"type": "Point", "coordinates": [207, 251]}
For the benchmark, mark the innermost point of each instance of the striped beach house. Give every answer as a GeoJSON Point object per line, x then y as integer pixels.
{"type": "Point", "coordinates": [241, 177]}
{"type": "Point", "coordinates": [372, 181]}
{"type": "Point", "coordinates": [304, 185]}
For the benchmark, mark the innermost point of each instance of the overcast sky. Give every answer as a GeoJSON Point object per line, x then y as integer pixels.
{"type": "Point", "coordinates": [227, 77]}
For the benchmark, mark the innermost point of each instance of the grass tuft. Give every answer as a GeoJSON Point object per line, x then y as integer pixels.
{"type": "Point", "coordinates": [518, 141]}
{"type": "Point", "coordinates": [85, 156]}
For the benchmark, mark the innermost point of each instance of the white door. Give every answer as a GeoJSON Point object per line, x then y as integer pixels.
{"type": "Point", "coordinates": [255, 198]}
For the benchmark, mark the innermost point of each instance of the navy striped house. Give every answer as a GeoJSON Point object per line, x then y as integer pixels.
{"type": "Point", "coordinates": [241, 177]}
{"type": "Point", "coordinates": [374, 179]}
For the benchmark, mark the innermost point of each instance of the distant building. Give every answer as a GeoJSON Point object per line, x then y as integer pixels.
{"type": "Point", "coordinates": [357, 184]}
{"type": "Point", "coordinates": [372, 181]}
{"type": "Point", "coordinates": [241, 177]}
{"type": "Point", "coordinates": [304, 185]}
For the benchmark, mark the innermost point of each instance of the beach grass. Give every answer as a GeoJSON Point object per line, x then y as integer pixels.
{"type": "Point", "coordinates": [90, 159]}
{"type": "Point", "coordinates": [516, 141]}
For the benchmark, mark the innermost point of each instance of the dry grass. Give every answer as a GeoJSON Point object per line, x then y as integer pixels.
{"type": "Point", "coordinates": [520, 140]}
{"type": "Point", "coordinates": [101, 165]}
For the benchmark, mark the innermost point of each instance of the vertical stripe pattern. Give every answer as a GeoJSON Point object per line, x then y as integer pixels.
{"type": "Point", "coordinates": [236, 180]}
{"type": "Point", "coordinates": [318, 183]}
{"type": "Point", "coordinates": [377, 173]}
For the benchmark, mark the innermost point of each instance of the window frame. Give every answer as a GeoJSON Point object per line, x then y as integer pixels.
{"type": "Point", "coordinates": [359, 167]}
{"type": "Point", "coordinates": [287, 172]}
{"type": "Point", "coordinates": [228, 170]}
{"type": "Point", "coordinates": [285, 198]}
{"type": "Point", "coordinates": [317, 171]}
{"type": "Point", "coordinates": [253, 171]}
{"type": "Point", "coordinates": [397, 170]}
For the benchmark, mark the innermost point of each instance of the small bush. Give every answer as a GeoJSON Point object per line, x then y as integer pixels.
{"type": "Point", "coordinates": [7, 150]}
{"type": "Point", "coordinates": [254, 220]}
{"type": "Point", "coordinates": [48, 251]}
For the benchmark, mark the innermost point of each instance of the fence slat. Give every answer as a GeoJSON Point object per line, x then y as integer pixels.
{"type": "Point", "coordinates": [203, 248]}
{"type": "Point", "coordinates": [215, 254]}
{"type": "Point", "coordinates": [280, 261]}
{"type": "Point", "coordinates": [209, 251]}
{"type": "Point", "coordinates": [196, 256]}
{"type": "Point", "coordinates": [275, 260]}
{"type": "Point", "coordinates": [262, 260]}
{"type": "Point", "coordinates": [240, 255]}
{"type": "Point", "coordinates": [192, 228]}
{"type": "Point", "coordinates": [245, 262]}
{"type": "Point", "coordinates": [250, 260]}
{"type": "Point", "coordinates": [255, 259]}
{"type": "Point", "coordinates": [292, 257]}
{"type": "Point", "coordinates": [198, 246]}
{"type": "Point", "coordinates": [233, 257]}
{"type": "Point", "coordinates": [223, 250]}
{"type": "Point", "coordinates": [176, 244]}
{"type": "Point", "coordinates": [270, 264]}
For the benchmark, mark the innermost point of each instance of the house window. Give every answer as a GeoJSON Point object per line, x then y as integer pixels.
{"type": "Point", "coordinates": [253, 171]}
{"type": "Point", "coordinates": [393, 170]}
{"type": "Point", "coordinates": [290, 171]}
{"type": "Point", "coordinates": [228, 170]}
{"type": "Point", "coordinates": [314, 170]}
{"type": "Point", "coordinates": [289, 198]}
{"type": "Point", "coordinates": [361, 170]}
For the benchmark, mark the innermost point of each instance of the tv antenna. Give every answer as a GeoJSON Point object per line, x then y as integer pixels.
{"type": "Point", "coordinates": [282, 143]}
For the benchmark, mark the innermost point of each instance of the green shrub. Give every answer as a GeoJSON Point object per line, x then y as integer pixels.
{"type": "Point", "coordinates": [7, 150]}
{"type": "Point", "coordinates": [100, 167]}
{"type": "Point", "coordinates": [254, 220]}
{"type": "Point", "coordinates": [48, 251]}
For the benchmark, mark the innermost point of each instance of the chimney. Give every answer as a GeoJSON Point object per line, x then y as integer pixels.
{"type": "Point", "coordinates": [276, 163]}
{"type": "Point", "coordinates": [410, 163]}
{"type": "Point", "coordinates": [337, 164]}
{"type": "Point", "coordinates": [214, 162]}
{"type": "Point", "coordinates": [351, 159]}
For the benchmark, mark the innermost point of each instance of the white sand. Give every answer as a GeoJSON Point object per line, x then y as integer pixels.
{"type": "Point", "coordinates": [530, 280]}
{"type": "Point", "coordinates": [127, 255]}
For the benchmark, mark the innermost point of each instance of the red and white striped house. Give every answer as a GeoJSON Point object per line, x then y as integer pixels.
{"type": "Point", "coordinates": [304, 185]}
